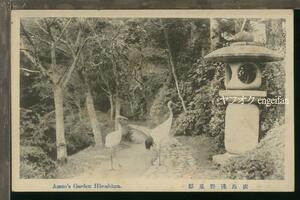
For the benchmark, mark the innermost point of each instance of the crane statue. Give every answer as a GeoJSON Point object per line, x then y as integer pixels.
{"type": "Point", "coordinates": [158, 135]}
{"type": "Point", "coordinates": [113, 139]}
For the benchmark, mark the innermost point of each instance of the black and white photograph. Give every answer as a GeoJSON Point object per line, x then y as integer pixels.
{"type": "Point", "coordinates": [161, 100]}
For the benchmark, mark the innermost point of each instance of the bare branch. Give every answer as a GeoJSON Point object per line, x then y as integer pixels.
{"type": "Point", "coordinates": [69, 46]}
{"type": "Point", "coordinates": [39, 38]}
{"type": "Point", "coordinates": [63, 30]}
{"type": "Point", "coordinates": [157, 24]}
{"type": "Point", "coordinates": [26, 34]}
{"type": "Point", "coordinates": [78, 38]}
{"type": "Point", "coordinates": [105, 90]}
{"type": "Point", "coordinates": [108, 90]}
{"type": "Point", "coordinates": [41, 27]}
{"type": "Point", "coordinates": [65, 78]}
{"type": "Point", "coordinates": [35, 61]}
{"type": "Point", "coordinates": [29, 70]}
{"type": "Point", "coordinates": [243, 25]}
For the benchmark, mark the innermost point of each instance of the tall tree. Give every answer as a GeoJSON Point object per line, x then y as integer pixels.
{"type": "Point", "coordinates": [111, 49]}
{"type": "Point", "coordinates": [89, 102]}
{"type": "Point", "coordinates": [171, 62]}
{"type": "Point", "coordinates": [65, 40]}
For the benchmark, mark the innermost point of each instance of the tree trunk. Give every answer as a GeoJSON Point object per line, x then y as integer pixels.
{"type": "Point", "coordinates": [171, 62]}
{"type": "Point", "coordinates": [194, 34]}
{"type": "Point", "coordinates": [59, 119]}
{"type": "Point", "coordinates": [131, 107]}
{"type": "Point", "coordinates": [118, 110]}
{"type": "Point", "coordinates": [79, 110]}
{"type": "Point", "coordinates": [273, 39]}
{"type": "Point", "coordinates": [111, 102]}
{"type": "Point", "coordinates": [91, 110]}
{"type": "Point", "coordinates": [93, 118]}
{"type": "Point", "coordinates": [177, 85]}
{"type": "Point", "coordinates": [59, 113]}
{"type": "Point", "coordinates": [214, 34]}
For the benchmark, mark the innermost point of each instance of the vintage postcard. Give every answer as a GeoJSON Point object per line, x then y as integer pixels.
{"type": "Point", "coordinates": [152, 100]}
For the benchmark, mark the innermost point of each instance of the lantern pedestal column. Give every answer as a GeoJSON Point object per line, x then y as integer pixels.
{"type": "Point", "coordinates": [241, 124]}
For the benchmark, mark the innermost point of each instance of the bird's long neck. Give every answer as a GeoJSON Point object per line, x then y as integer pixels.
{"type": "Point", "coordinates": [171, 112]}
{"type": "Point", "coordinates": [119, 126]}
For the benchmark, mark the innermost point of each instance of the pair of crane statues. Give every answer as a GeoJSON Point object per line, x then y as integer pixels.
{"type": "Point", "coordinates": [154, 138]}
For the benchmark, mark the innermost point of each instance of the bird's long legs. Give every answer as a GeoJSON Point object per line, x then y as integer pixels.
{"type": "Point", "coordinates": [159, 163]}
{"type": "Point", "coordinates": [111, 158]}
{"type": "Point", "coordinates": [113, 154]}
{"type": "Point", "coordinates": [153, 157]}
{"type": "Point", "coordinates": [157, 151]}
{"type": "Point", "coordinates": [116, 158]}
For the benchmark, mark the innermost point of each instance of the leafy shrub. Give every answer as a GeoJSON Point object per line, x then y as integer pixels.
{"type": "Point", "coordinates": [80, 139]}
{"type": "Point", "coordinates": [195, 121]}
{"type": "Point", "coordinates": [37, 147]}
{"type": "Point", "coordinates": [30, 170]}
{"type": "Point", "coordinates": [79, 134]}
{"type": "Point", "coordinates": [159, 110]}
{"type": "Point", "coordinates": [264, 162]}
{"type": "Point", "coordinates": [217, 121]}
{"type": "Point", "coordinates": [256, 167]}
{"type": "Point", "coordinates": [35, 163]}
{"type": "Point", "coordinates": [273, 77]}
{"type": "Point", "coordinates": [273, 81]}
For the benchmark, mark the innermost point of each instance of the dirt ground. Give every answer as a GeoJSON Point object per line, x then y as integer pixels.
{"type": "Point", "coordinates": [134, 160]}
{"type": "Point", "coordinates": [190, 159]}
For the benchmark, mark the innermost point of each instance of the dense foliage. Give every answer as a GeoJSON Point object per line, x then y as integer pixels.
{"type": "Point", "coordinates": [264, 162]}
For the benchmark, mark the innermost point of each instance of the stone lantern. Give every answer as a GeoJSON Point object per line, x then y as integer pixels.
{"type": "Point", "coordinates": [243, 79]}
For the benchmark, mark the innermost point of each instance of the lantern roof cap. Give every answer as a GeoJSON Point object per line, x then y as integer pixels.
{"type": "Point", "coordinates": [245, 52]}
